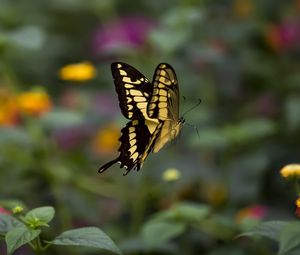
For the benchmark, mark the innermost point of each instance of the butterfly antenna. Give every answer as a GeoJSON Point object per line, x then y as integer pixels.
{"type": "Point", "coordinates": [194, 127]}
{"type": "Point", "coordinates": [192, 108]}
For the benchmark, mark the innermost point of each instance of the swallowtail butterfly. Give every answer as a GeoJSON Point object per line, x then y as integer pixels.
{"type": "Point", "coordinates": [153, 111]}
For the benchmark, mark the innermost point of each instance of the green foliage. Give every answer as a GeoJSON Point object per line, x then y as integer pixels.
{"type": "Point", "coordinates": [19, 236]}
{"type": "Point", "coordinates": [26, 229]}
{"type": "Point", "coordinates": [283, 232]}
{"type": "Point", "coordinates": [240, 57]}
{"type": "Point", "coordinates": [88, 237]}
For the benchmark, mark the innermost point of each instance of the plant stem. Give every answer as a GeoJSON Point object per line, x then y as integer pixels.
{"type": "Point", "coordinates": [38, 247]}
{"type": "Point", "coordinates": [297, 187]}
{"type": "Point", "coordinates": [139, 205]}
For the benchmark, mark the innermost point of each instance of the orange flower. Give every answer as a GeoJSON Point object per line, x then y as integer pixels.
{"type": "Point", "coordinates": [106, 140]}
{"type": "Point", "coordinates": [79, 72]}
{"type": "Point", "coordinates": [8, 108]}
{"type": "Point", "coordinates": [215, 193]}
{"type": "Point", "coordinates": [243, 8]}
{"type": "Point", "coordinates": [272, 37]}
{"type": "Point", "coordinates": [34, 102]}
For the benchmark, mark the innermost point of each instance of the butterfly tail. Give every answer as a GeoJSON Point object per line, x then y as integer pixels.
{"type": "Point", "coordinates": [107, 165]}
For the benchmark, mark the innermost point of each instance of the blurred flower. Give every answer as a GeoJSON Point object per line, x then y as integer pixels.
{"type": "Point", "coordinates": [106, 140]}
{"type": "Point", "coordinates": [257, 212]}
{"type": "Point", "coordinates": [298, 202]}
{"type": "Point", "coordinates": [290, 171]}
{"type": "Point", "coordinates": [243, 8]}
{"type": "Point", "coordinates": [297, 3]}
{"type": "Point", "coordinates": [69, 138]}
{"type": "Point", "coordinates": [126, 32]}
{"type": "Point", "coordinates": [298, 207]}
{"type": "Point", "coordinates": [82, 71]}
{"type": "Point", "coordinates": [265, 105]}
{"type": "Point", "coordinates": [17, 209]}
{"type": "Point", "coordinates": [4, 211]}
{"type": "Point", "coordinates": [8, 108]}
{"type": "Point", "coordinates": [71, 99]}
{"type": "Point", "coordinates": [171, 174]}
{"type": "Point", "coordinates": [285, 36]}
{"type": "Point", "coordinates": [34, 102]}
{"type": "Point", "coordinates": [215, 193]}
{"type": "Point", "coordinates": [105, 104]}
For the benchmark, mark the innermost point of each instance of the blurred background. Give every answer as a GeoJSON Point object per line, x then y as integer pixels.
{"type": "Point", "coordinates": [60, 119]}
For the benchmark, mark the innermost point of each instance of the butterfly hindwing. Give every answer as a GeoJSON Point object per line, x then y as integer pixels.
{"type": "Point", "coordinates": [133, 88]}
{"type": "Point", "coordinates": [164, 102]}
{"type": "Point", "coordinates": [135, 146]}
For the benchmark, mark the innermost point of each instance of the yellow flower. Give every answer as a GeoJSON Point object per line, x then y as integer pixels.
{"type": "Point", "coordinates": [17, 209]}
{"type": "Point", "coordinates": [8, 108]}
{"type": "Point", "coordinates": [106, 141]}
{"type": "Point", "coordinates": [291, 170]}
{"type": "Point", "coordinates": [34, 102]}
{"type": "Point", "coordinates": [298, 202]}
{"type": "Point", "coordinates": [82, 71]}
{"type": "Point", "coordinates": [171, 174]}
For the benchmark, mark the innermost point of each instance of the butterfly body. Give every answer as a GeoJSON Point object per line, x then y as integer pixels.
{"type": "Point", "coordinates": [153, 111]}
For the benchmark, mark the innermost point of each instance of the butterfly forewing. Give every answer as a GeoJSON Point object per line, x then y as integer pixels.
{"type": "Point", "coordinates": [164, 102]}
{"type": "Point", "coordinates": [133, 89]}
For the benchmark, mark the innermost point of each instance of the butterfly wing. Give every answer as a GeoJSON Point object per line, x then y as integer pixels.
{"type": "Point", "coordinates": [152, 108]}
{"type": "Point", "coordinates": [164, 102]}
{"type": "Point", "coordinates": [164, 105]}
{"type": "Point", "coordinates": [135, 146]}
{"type": "Point", "coordinates": [133, 89]}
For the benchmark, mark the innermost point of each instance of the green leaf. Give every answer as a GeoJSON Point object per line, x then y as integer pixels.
{"type": "Point", "coordinates": [8, 222]}
{"type": "Point", "coordinates": [19, 236]}
{"type": "Point", "coordinates": [14, 135]}
{"type": "Point", "coordinates": [212, 138]}
{"type": "Point", "coordinates": [292, 112]}
{"type": "Point", "coordinates": [29, 37]}
{"type": "Point", "coordinates": [59, 118]}
{"type": "Point", "coordinates": [249, 130]}
{"type": "Point", "coordinates": [192, 212]}
{"type": "Point", "coordinates": [269, 229]}
{"type": "Point", "coordinates": [157, 233]}
{"type": "Point", "coordinates": [184, 211]}
{"type": "Point", "coordinates": [289, 238]}
{"type": "Point", "coordinates": [41, 215]}
{"type": "Point", "coordinates": [88, 237]}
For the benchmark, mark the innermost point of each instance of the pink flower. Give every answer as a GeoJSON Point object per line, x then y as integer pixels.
{"type": "Point", "coordinates": [4, 211]}
{"type": "Point", "coordinates": [265, 105]}
{"type": "Point", "coordinates": [257, 212]}
{"type": "Point", "coordinates": [105, 104]}
{"type": "Point", "coordinates": [289, 34]}
{"type": "Point", "coordinates": [284, 36]}
{"type": "Point", "coordinates": [125, 32]}
{"type": "Point", "coordinates": [69, 138]}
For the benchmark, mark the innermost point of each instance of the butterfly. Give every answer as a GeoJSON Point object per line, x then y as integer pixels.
{"type": "Point", "coordinates": [153, 111]}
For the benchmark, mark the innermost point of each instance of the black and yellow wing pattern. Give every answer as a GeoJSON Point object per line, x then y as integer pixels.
{"type": "Point", "coordinates": [153, 110]}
